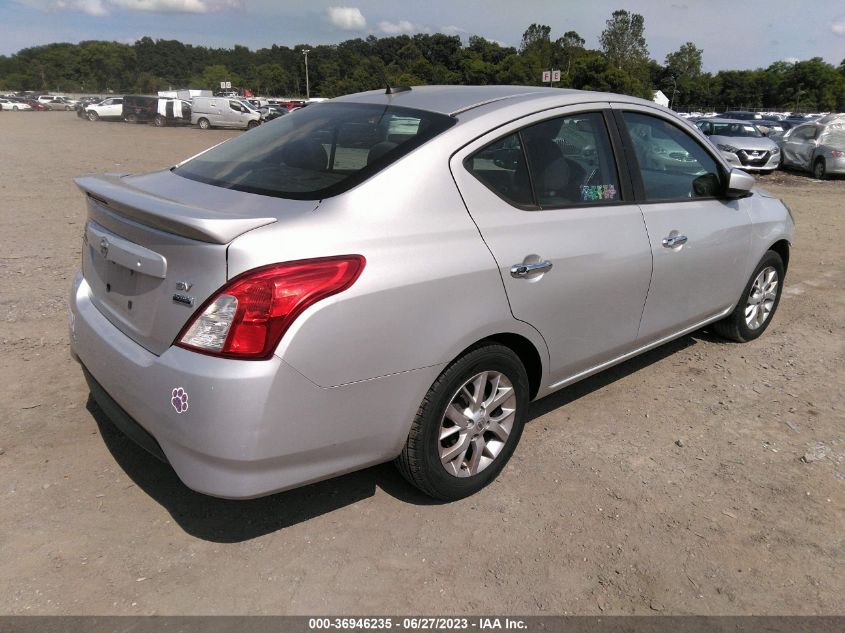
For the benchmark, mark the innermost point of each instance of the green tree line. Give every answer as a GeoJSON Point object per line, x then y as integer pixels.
{"type": "Point", "coordinates": [621, 64]}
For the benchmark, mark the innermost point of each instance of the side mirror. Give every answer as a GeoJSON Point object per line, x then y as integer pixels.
{"type": "Point", "coordinates": [739, 183]}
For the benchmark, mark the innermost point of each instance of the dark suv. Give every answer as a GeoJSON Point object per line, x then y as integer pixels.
{"type": "Point", "coordinates": [139, 108]}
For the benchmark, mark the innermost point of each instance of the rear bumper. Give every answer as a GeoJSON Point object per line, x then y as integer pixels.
{"type": "Point", "coordinates": [250, 428]}
{"type": "Point", "coordinates": [835, 165]}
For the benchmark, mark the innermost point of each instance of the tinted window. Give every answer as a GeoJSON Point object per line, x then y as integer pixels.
{"type": "Point", "coordinates": [672, 164]}
{"type": "Point", "coordinates": [502, 167]}
{"type": "Point", "coordinates": [316, 152]}
{"type": "Point", "coordinates": [560, 162]}
{"type": "Point", "coordinates": [571, 161]}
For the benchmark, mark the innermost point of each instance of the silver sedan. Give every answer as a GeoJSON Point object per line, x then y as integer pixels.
{"type": "Point", "coordinates": [818, 147]}
{"type": "Point", "coordinates": [395, 275]}
{"type": "Point", "coordinates": [742, 144]}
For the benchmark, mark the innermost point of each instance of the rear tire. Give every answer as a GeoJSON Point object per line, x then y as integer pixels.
{"type": "Point", "coordinates": [159, 121]}
{"type": "Point", "coordinates": [131, 118]}
{"type": "Point", "coordinates": [68, 108]}
{"type": "Point", "coordinates": [93, 116]}
{"type": "Point", "coordinates": [468, 424]}
{"type": "Point", "coordinates": [820, 169]}
{"type": "Point", "coordinates": [204, 124]}
{"type": "Point", "coordinates": [756, 307]}
{"type": "Point", "coordinates": [14, 108]}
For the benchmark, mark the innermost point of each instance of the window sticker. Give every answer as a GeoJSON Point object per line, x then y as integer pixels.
{"type": "Point", "coordinates": [598, 192]}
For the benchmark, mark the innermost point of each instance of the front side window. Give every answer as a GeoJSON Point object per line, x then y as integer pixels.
{"type": "Point", "coordinates": [570, 161]}
{"type": "Point", "coordinates": [316, 152]}
{"type": "Point", "coordinates": [672, 164]}
{"type": "Point", "coordinates": [565, 161]}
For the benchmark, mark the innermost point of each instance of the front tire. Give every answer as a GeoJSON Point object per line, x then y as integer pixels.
{"type": "Point", "coordinates": [131, 118]}
{"type": "Point", "coordinates": [468, 424]}
{"type": "Point", "coordinates": [93, 116]}
{"type": "Point", "coordinates": [759, 301]}
{"type": "Point", "coordinates": [204, 124]}
{"type": "Point", "coordinates": [159, 121]}
{"type": "Point", "coordinates": [819, 169]}
{"type": "Point", "coordinates": [251, 125]}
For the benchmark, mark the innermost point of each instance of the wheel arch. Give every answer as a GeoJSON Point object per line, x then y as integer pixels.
{"type": "Point", "coordinates": [525, 350]}
{"type": "Point", "coordinates": [781, 247]}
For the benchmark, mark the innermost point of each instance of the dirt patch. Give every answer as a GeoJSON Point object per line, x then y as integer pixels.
{"type": "Point", "coordinates": [703, 477]}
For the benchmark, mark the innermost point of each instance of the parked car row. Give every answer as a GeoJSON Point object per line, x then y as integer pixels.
{"type": "Point", "coordinates": [205, 112]}
{"type": "Point", "coordinates": [223, 111]}
{"type": "Point", "coordinates": [816, 145]}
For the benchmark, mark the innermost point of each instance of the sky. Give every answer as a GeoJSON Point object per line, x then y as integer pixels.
{"type": "Point", "coordinates": [733, 34]}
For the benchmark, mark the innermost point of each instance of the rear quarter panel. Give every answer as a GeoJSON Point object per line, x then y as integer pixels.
{"type": "Point", "coordinates": [430, 287]}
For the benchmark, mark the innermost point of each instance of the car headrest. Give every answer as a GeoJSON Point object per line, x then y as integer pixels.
{"type": "Point", "coordinates": [380, 149]}
{"type": "Point", "coordinates": [305, 154]}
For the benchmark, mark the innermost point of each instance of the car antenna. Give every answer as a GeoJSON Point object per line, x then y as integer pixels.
{"type": "Point", "coordinates": [394, 89]}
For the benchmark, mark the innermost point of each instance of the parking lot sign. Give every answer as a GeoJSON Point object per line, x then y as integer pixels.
{"type": "Point", "coordinates": [547, 75]}
{"type": "Point", "coordinates": [555, 75]}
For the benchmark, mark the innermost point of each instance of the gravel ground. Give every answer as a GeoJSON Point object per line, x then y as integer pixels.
{"type": "Point", "coordinates": [672, 484]}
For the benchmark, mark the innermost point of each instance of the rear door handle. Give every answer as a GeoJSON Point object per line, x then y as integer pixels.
{"type": "Point", "coordinates": [523, 270]}
{"type": "Point", "coordinates": [674, 240]}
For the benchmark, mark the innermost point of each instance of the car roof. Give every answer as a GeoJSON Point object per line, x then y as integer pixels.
{"type": "Point", "coordinates": [454, 100]}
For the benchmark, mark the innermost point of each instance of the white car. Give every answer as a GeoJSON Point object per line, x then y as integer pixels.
{"type": "Point", "coordinates": [8, 104]}
{"type": "Point", "coordinates": [58, 102]}
{"type": "Point", "coordinates": [111, 108]}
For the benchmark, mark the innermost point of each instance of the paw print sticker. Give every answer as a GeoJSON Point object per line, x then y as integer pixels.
{"type": "Point", "coordinates": [179, 400]}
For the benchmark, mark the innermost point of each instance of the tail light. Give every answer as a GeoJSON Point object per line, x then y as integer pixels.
{"type": "Point", "coordinates": [247, 317]}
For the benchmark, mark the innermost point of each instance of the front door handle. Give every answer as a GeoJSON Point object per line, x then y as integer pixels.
{"type": "Point", "coordinates": [523, 270]}
{"type": "Point", "coordinates": [674, 240]}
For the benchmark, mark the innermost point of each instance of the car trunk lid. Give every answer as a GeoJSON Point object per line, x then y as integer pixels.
{"type": "Point", "coordinates": [155, 247]}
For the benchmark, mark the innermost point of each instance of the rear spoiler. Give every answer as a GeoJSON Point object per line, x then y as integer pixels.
{"type": "Point", "coordinates": [110, 192]}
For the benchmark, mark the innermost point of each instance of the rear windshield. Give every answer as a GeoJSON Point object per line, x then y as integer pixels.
{"type": "Point", "coordinates": [317, 152]}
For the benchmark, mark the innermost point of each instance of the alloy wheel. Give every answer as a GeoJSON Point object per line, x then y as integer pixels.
{"type": "Point", "coordinates": [761, 298]}
{"type": "Point", "coordinates": [477, 423]}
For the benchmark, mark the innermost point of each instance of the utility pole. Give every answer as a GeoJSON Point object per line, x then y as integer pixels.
{"type": "Point", "coordinates": [798, 97]}
{"type": "Point", "coordinates": [307, 84]}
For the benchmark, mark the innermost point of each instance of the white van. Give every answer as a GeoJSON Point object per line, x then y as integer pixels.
{"type": "Point", "coordinates": [210, 112]}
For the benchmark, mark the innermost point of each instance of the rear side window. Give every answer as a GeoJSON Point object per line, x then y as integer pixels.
{"type": "Point", "coordinates": [503, 168]}
{"type": "Point", "coordinates": [316, 152]}
{"type": "Point", "coordinates": [565, 161]}
{"type": "Point", "coordinates": [672, 164]}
